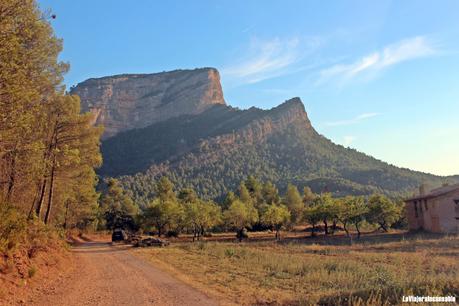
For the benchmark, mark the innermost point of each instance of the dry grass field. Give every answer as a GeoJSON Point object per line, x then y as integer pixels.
{"type": "Point", "coordinates": [378, 269]}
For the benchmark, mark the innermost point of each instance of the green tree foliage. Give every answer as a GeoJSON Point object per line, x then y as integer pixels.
{"type": "Point", "coordinates": [240, 215]}
{"type": "Point", "coordinates": [29, 76]}
{"type": "Point", "coordinates": [117, 207]}
{"type": "Point", "coordinates": [48, 150]}
{"type": "Point", "coordinates": [326, 209]}
{"type": "Point", "coordinates": [383, 211]}
{"type": "Point", "coordinates": [229, 199]}
{"type": "Point", "coordinates": [294, 203]}
{"type": "Point", "coordinates": [163, 215]}
{"type": "Point", "coordinates": [12, 228]}
{"type": "Point", "coordinates": [312, 215]}
{"type": "Point", "coordinates": [255, 190]}
{"type": "Point", "coordinates": [165, 212]}
{"type": "Point", "coordinates": [308, 195]}
{"type": "Point", "coordinates": [72, 152]}
{"type": "Point", "coordinates": [165, 190]}
{"type": "Point", "coordinates": [270, 193]}
{"type": "Point", "coordinates": [352, 210]}
{"type": "Point", "coordinates": [276, 216]}
{"type": "Point", "coordinates": [187, 195]}
{"type": "Point", "coordinates": [201, 215]}
{"type": "Point", "coordinates": [244, 194]}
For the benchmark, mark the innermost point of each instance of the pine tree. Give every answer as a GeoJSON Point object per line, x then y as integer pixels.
{"type": "Point", "coordinates": [244, 194]}
{"type": "Point", "coordinates": [165, 189]}
{"type": "Point", "coordinates": [48, 150]}
{"type": "Point", "coordinates": [308, 195]}
{"type": "Point", "coordinates": [270, 193]}
{"type": "Point", "coordinates": [294, 203]}
{"type": "Point", "coordinates": [117, 207]}
{"type": "Point", "coordinates": [30, 77]}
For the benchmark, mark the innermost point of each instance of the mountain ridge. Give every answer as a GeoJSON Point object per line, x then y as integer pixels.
{"type": "Point", "coordinates": [213, 149]}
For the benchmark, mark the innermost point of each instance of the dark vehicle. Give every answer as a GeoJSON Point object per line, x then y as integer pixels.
{"type": "Point", "coordinates": [119, 235]}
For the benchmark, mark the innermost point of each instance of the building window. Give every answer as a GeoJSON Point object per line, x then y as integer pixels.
{"type": "Point", "coordinates": [416, 209]}
{"type": "Point", "coordinates": [425, 205]}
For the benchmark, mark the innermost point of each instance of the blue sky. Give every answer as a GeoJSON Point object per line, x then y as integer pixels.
{"type": "Point", "coordinates": [379, 76]}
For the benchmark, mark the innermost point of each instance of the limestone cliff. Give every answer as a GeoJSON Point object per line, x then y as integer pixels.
{"type": "Point", "coordinates": [130, 101]}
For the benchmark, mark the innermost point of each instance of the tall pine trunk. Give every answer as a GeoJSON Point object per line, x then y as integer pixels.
{"type": "Point", "coordinates": [46, 155]}
{"type": "Point", "coordinates": [41, 199]}
{"type": "Point", "coordinates": [11, 177]}
{"type": "Point", "coordinates": [35, 200]}
{"type": "Point", "coordinates": [50, 195]}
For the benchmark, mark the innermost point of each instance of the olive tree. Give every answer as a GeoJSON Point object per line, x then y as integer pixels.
{"type": "Point", "coordinates": [383, 211]}
{"type": "Point", "coordinates": [276, 216]}
{"type": "Point", "coordinates": [240, 215]}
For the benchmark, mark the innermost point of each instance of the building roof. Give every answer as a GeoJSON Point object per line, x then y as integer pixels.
{"type": "Point", "coordinates": [435, 192]}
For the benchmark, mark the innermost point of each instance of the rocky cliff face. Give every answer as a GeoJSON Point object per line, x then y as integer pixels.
{"type": "Point", "coordinates": [130, 101]}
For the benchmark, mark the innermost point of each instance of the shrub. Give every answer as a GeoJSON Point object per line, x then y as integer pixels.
{"type": "Point", "coordinates": [13, 227]}
{"type": "Point", "coordinates": [230, 252]}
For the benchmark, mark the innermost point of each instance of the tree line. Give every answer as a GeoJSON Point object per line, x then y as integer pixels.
{"type": "Point", "coordinates": [254, 206]}
{"type": "Point", "coordinates": [48, 148]}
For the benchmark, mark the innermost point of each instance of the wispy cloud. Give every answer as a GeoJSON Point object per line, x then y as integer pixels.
{"type": "Point", "coordinates": [269, 59]}
{"type": "Point", "coordinates": [354, 120]}
{"type": "Point", "coordinates": [402, 51]}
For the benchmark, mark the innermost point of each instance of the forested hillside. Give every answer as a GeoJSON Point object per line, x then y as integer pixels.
{"type": "Point", "coordinates": [213, 151]}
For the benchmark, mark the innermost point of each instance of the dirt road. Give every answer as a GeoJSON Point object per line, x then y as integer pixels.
{"type": "Point", "coordinates": [113, 276]}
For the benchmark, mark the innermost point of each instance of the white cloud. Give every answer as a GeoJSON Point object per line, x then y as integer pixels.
{"type": "Point", "coordinates": [269, 59]}
{"type": "Point", "coordinates": [347, 140]}
{"type": "Point", "coordinates": [399, 52]}
{"type": "Point", "coordinates": [354, 120]}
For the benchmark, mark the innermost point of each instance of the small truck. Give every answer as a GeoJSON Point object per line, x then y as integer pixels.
{"type": "Point", "coordinates": [119, 235]}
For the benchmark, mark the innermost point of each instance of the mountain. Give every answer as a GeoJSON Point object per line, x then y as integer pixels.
{"type": "Point", "coordinates": [213, 148]}
{"type": "Point", "coordinates": [129, 101]}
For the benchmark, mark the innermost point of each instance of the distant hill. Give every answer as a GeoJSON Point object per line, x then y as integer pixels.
{"type": "Point", "coordinates": [214, 148]}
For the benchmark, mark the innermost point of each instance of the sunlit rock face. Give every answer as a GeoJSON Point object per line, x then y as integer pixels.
{"type": "Point", "coordinates": [130, 101]}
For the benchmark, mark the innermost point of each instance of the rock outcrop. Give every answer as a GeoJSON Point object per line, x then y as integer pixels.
{"type": "Point", "coordinates": [131, 101]}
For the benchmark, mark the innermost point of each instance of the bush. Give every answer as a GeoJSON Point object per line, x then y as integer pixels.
{"type": "Point", "coordinates": [13, 226]}
{"type": "Point", "coordinates": [230, 252]}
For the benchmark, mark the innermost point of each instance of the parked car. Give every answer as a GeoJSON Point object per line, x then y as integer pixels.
{"type": "Point", "coordinates": [119, 235]}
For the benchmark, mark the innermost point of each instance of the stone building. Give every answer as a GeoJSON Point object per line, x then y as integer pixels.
{"type": "Point", "coordinates": [436, 211]}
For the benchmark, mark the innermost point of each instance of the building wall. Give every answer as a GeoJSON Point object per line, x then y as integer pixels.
{"type": "Point", "coordinates": [448, 211]}
{"type": "Point", "coordinates": [413, 221]}
{"type": "Point", "coordinates": [439, 217]}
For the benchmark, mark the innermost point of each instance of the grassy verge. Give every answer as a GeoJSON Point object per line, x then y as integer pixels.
{"type": "Point", "coordinates": [299, 273]}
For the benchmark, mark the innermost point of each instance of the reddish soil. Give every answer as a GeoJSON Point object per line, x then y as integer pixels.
{"type": "Point", "coordinates": [50, 266]}
{"type": "Point", "coordinates": [111, 275]}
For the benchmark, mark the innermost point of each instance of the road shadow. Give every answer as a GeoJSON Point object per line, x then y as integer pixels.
{"type": "Point", "coordinates": [95, 247]}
